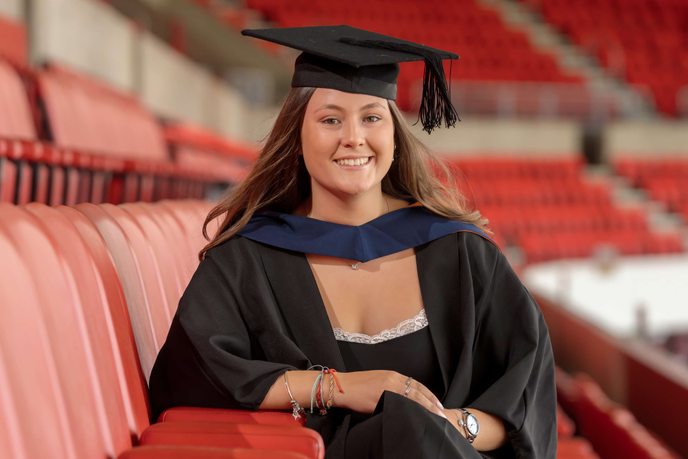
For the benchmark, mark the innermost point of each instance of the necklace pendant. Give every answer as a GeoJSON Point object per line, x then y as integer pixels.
{"type": "Point", "coordinates": [355, 266]}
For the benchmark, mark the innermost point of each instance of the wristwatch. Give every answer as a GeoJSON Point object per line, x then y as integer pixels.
{"type": "Point", "coordinates": [470, 423]}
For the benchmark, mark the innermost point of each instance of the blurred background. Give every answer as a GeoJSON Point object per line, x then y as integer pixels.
{"type": "Point", "coordinates": [573, 142]}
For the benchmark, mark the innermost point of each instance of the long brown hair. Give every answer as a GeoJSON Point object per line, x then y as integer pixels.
{"type": "Point", "coordinates": [279, 180]}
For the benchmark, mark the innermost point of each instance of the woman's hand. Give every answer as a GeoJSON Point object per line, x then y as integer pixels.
{"type": "Point", "coordinates": [362, 390]}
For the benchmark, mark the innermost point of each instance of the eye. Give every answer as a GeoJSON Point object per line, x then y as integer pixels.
{"type": "Point", "coordinates": [377, 118]}
{"type": "Point", "coordinates": [327, 121]}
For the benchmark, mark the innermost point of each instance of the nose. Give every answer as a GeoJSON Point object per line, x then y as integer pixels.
{"type": "Point", "coordinates": [352, 135]}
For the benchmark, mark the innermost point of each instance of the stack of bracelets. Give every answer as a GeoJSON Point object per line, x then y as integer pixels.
{"type": "Point", "coordinates": [316, 392]}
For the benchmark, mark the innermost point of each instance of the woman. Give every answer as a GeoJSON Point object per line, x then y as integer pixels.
{"type": "Point", "coordinates": [343, 250]}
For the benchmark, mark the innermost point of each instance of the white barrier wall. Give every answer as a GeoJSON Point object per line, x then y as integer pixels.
{"type": "Point", "coordinates": [486, 136]}
{"type": "Point", "coordinates": [12, 9]}
{"type": "Point", "coordinates": [173, 86]}
{"type": "Point", "coordinates": [646, 138]}
{"type": "Point", "coordinates": [232, 119]}
{"type": "Point", "coordinates": [87, 35]}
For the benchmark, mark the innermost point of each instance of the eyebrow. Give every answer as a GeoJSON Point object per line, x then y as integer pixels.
{"type": "Point", "coordinates": [337, 107]}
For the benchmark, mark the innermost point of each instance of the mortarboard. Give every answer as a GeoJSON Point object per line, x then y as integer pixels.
{"type": "Point", "coordinates": [389, 233]}
{"type": "Point", "coordinates": [363, 62]}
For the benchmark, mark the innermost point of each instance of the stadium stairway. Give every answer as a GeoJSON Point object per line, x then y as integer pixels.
{"type": "Point", "coordinates": [98, 286]}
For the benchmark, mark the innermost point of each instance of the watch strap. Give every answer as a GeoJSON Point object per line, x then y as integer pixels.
{"type": "Point", "coordinates": [464, 423]}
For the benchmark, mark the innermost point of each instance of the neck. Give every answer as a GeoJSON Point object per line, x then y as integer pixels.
{"type": "Point", "coordinates": [351, 210]}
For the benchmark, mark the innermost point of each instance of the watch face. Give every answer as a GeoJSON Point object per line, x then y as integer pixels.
{"type": "Point", "coordinates": [472, 424]}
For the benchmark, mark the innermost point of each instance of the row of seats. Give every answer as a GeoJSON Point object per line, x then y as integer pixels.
{"type": "Point", "coordinates": [66, 138]}
{"type": "Point", "coordinates": [638, 170]}
{"type": "Point", "coordinates": [39, 172]}
{"type": "Point", "coordinates": [643, 41]}
{"type": "Point", "coordinates": [540, 247]}
{"type": "Point", "coordinates": [505, 167]}
{"type": "Point", "coordinates": [512, 221]}
{"type": "Point", "coordinates": [611, 429]}
{"type": "Point", "coordinates": [87, 294]}
{"type": "Point", "coordinates": [526, 192]}
{"type": "Point", "coordinates": [665, 180]}
{"type": "Point", "coordinates": [671, 191]}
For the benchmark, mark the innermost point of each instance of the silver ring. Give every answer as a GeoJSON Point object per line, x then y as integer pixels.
{"type": "Point", "coordinates": [408, 386]}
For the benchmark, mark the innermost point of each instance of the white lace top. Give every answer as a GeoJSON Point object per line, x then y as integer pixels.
{"type": "Point", "coordinates": [404, 328]}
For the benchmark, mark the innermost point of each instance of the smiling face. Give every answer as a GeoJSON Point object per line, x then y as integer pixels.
{"type": "Point", "coordinates": [347, 141]}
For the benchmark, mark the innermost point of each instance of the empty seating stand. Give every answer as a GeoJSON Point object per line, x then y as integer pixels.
{"type": "Point", "coordinates": [96, 299]}
{"type": "Point", "coordinates": [477, 34]}
{"type": "Point", "coordinates": [664, 179]}
{"type": "Point", "coordinates": [547, 208]}
{"type": "Point", "coordinates": [642, 41]}
{"type": "Point", "coordinates": [94, 144]}
{"type": "Point", "coordinates": [610, 428]}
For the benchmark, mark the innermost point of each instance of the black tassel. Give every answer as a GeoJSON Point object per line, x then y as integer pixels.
{"type": "Point", "coordinates": [436, 103]}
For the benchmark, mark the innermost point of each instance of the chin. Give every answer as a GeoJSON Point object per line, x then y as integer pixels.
{"type": "Point", "coordinates": [351, 189]}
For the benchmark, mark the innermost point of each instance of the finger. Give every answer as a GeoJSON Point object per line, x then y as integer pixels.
{"type": "Point", "coordinates": [424, 390]}
{"type": "Point", "coordinates": [427, 393]}
{"type": "Point", "coordinates": [418, 397]}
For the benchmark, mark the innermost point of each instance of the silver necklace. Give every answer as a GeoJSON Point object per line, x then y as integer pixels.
{"type": "Point", "coordinates": [355, 265]}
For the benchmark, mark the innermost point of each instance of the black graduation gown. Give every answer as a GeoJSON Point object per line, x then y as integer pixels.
{"type": "Point", "coordinates": [253, 311]}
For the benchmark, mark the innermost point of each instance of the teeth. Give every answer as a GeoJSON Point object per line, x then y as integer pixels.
{"type": "Point", "coordinates": [352, 162]}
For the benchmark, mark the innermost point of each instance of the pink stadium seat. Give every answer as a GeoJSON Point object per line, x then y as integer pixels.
{"type": "Point", "coordinates": [16, 121]}
{"type": "Point", "coordinates": [13, 42]}
{"type": "Point", "coordinates": [150, 315]}
{"type": "Point", "coordinates": [185, 261]}
{"type": "Point", "coordinates": [35, 420]}
{"type": "Point", "coordinates": [87, 115]}
{"type": "Point", "coordinates": [66, 332]}
{"type": "Point", "coordinates": [91, 294]}
{"type": "Point", "coordinates": [129, 373]}
{"type": "Point", "coordinates": [191, 215]}
{"type": "Point", "coordinates": [165, 261]}
{"type": "Point", "coordinates": [182, 452]}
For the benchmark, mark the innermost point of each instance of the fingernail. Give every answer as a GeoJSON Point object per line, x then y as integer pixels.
{"type": "Point", "coordinates": [443, 415]}
{"type": "Point", "coordinates": [440, 405]}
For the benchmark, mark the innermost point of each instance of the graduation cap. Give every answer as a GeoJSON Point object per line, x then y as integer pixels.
{"type": "Point", "coordinates": [363, 62]}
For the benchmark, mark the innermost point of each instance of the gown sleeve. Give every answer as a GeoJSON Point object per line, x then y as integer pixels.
{"type": "Point", "coordinates": [210, 357]}
{"type": "Point", "coordinates": [513, 371]}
